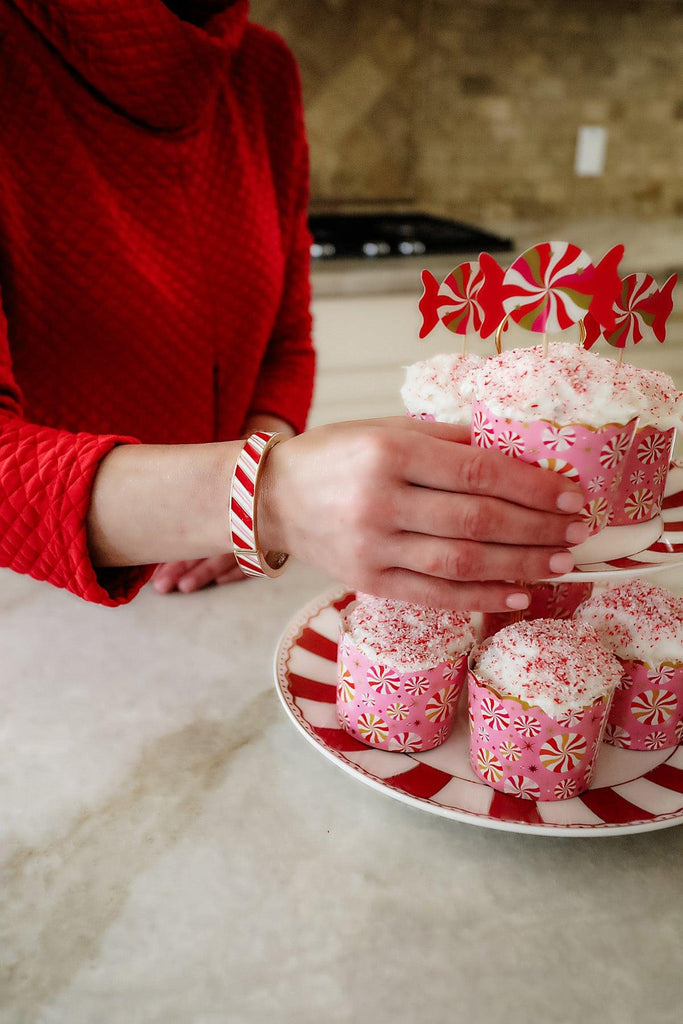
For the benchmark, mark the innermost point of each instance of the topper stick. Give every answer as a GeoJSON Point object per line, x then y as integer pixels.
{"type": "Point", "coordinates": [499, 332]}
{"type": "Point", "coordinates": [583, 333]}
{"type": "Point", "coordinates": [545, 344]}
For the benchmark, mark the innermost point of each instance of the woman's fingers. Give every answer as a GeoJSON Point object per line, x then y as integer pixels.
{"type": "Point", "coordinates": [432, 592]}
{"type": "Point", "coordinates": [481, 518]}
{"type": "Point", "coordinates": [467, 560]}
{"type": "Point", "coordinates": [446, 466]}
{"type": "Point", "coordinates": [167, 575]}
{"type": "Point", "coordinates": [234, 575]}
{"type": "Point", "coordinates": [193, 575]}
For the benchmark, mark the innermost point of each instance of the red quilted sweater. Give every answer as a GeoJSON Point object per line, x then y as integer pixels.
{"type": "Point", "coordinates": [153, 254]}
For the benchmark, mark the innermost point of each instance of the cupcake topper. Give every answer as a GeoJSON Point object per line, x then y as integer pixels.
{"type": "Point", "coordinates": [554, 284]}
{"type": "Point", "coordinates": [640, 311]}
{"type": "Point", "coordinates": [465, 301]}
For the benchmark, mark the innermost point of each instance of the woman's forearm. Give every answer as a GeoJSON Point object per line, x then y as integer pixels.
{"type": "Point", "coordinates": [161, 503]}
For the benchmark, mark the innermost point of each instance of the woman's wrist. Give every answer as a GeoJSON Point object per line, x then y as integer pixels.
{"type": "Point", "coordinates": [161, 503]}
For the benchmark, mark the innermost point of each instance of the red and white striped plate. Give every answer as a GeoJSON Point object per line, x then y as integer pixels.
{"type": "Point", "coordinates": [633, 791]}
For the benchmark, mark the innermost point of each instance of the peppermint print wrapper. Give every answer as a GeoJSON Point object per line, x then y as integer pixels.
{"type": "Point", "coordinates": [593, 457]}
{"type": "Point", "coordinates": [647, 710]}
{"type": "Point", "coordinates": [638, 499]}
{"type": "Point", "coordinates": [394, 710]}
{"type": "Point", "coordinates": [548, 601]}
{"type": "Point", "coordinates": [518, 749]}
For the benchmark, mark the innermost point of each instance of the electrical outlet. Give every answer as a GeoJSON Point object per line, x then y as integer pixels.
{"type": "Point", "coordinates": [591, 146]}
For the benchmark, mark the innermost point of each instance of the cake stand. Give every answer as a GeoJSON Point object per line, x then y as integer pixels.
{"type": "Point", "coordinates": [632, 791]}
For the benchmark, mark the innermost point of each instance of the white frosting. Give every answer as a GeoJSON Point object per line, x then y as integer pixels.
{"type": "Point", "coordinates": [570, 385]}
{"type": "Point", "coordinates": [404, 635]}
{"type": "Point", "coordinates": [552, 664]}
{"type": "Point", "coordinates": [434, 386]}
{"type": "Point", "coordinates": [661, 402]}
{"type": "Point", "coordinates": [638, 622]}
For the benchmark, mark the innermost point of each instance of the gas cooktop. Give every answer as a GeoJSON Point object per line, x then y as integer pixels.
{"type": "Point", "coordinates": [373, 236]}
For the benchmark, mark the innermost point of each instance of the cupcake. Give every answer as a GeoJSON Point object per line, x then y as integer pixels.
{"type": "Point", "coordinates": [642, 626]}
{"type": "Point", "coordinates": [433, 388]}
{"type": "Point", "coordinates": [566, 412]}
{"type": "Point", "coordinates": [400, 672]}
{"type": "Point", "coordinates": [539, 693]}
{"type": "Point", "coordinates": [639, 497]}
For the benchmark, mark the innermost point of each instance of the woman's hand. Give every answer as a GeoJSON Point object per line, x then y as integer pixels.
{"type": "Point", "coordinates": [406, 509]}
{"type": "Point", "coordinates": [396, 507]}
{"type": "Point", "coordinates": [192, 575]}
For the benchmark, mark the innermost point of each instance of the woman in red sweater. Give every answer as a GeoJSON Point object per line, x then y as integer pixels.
{"type": "Point", "coordinates": [154, 282]}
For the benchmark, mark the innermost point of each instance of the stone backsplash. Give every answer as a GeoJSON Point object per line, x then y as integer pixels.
{"type": "Point", "coordinates": [471, 108]}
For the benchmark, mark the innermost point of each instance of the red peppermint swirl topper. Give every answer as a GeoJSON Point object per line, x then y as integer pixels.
{"type": "Point", "coordinates": [555, 284]}
{"type": "Point", "coordinates": [466, 301]}
{"type": "Point", "coordinates": [640, 311]}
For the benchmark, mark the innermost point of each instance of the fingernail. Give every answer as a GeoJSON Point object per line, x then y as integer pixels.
{"type": "Point", "coordinates": [577, 533]}
{"type": "Point", "coordinates": [570, 501]}
{"type": "Point", "coordinates": [561, 562]}
{"type": "Point", "coordinates": [186, 586]}
{"type": "Point", "coordinates": [161, 586]}
{"type": "Point", "coordinates": [517, 601]}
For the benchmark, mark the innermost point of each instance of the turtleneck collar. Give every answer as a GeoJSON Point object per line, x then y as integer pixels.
{"type": "Point", "coordinates": [141, 57]}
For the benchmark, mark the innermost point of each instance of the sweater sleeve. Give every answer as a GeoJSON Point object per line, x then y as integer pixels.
{"type": "Point", "coordinates": [284, 386]}
{"type": "Point", "coordinates": [46, 477]}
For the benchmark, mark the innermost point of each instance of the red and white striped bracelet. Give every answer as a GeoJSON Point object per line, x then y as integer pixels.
{"type": "Point", "coordinates": [244, 509]}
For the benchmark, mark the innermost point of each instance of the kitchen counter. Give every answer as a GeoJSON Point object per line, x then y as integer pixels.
{"type": "Point", "coordinates": [174, 852]}
{"type": "Point", "coordinates": [652, 246]}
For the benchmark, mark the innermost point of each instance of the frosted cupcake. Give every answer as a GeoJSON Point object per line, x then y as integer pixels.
{"type": "Point", "coordinates": [433, 388]}
{"type": "Point", "coordinates": [538, 694]}
{"type": "Point", "coordinates": [643, 626]}
{"type": "Point", "coordinates": [567, 412]}
{"type": "Point", "coordinates": [639, 497]}
{"type": "Point", "coordinates": [400, 672]}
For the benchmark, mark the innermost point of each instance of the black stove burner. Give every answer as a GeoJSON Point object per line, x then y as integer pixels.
{"type": "Point", "coordinates": [372, 236]}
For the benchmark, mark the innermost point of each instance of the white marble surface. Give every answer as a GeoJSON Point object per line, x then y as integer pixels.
{"type": "Point", "coordinates": [172, 851]}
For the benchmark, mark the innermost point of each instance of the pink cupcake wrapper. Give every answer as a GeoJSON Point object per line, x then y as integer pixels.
{"type": "Point", "coordinates": [647, 710]}
{"type": "Point", "coordinates": [548, 601]}
{"type": "Point", "coordinates": [593, 457]}
{"type": "Point", "coordinates": [639, 496]}
{"type": "Point", "coordinates": [518, 749]}
{"type": "Point", "coordinates": [393, 710]}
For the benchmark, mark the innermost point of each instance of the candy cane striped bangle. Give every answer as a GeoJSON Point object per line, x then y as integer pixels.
{"type": "Point", "coordinates": [244, 509]}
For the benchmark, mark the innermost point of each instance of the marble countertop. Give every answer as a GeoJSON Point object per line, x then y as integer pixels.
{"type": "Point", "coordinates": [174, 852]}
